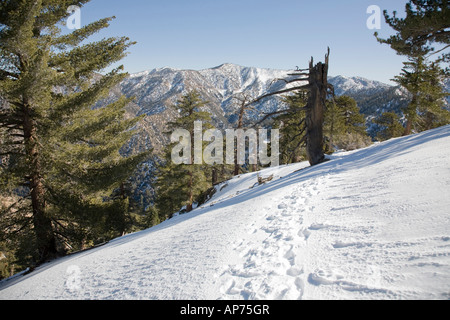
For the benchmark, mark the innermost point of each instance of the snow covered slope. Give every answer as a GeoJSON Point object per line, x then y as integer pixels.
{"type": "Point", "coordinates": [369, 224]}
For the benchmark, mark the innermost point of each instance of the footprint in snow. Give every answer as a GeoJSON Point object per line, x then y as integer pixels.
{"type": "Point", "coordinates": [286, 213]}
{"type": "Point", "coordinates": [341, 244]}
{"type": "Point", "coordinates": [300, 287]}
{"type": "Point", "coordinates": [294, 272]}
{"type": "Point", "coordinates": [316, 227]}
{"type": "Point", "coordinates": [290, 256]}
{"type": "Point", "coordinates": [324, 277]}
{"type": "Point", "coordinates": [305, 233]}
{"type": "Point", "coordinates": [227, 286]}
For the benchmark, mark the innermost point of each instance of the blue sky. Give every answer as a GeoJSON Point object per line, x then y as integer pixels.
{"type": "Point", "coordinates": [282, 34]}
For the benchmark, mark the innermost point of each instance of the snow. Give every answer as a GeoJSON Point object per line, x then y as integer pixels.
{"type": "Point", "coordinates": [351, 85]}
{"type": "Point", "coordinates": [368, 224]}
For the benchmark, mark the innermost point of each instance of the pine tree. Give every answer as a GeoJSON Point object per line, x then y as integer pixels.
{"type": "Point", "coordinates": [333, 124]}
{"type": "Point", "coordinates": [417, 35]}
{"type": "Point", "coordinates": [345, 126]}
{"type": "Point", "coordinates": [410, 79]}
{"type": "Point", "coordinates": [292, 141]}
{"type": "Point", "coordinates": [390, 126]}
{"type": "Point", "coordinates": [424, 81]}
{"type": "Point", "coordinates": [178, 185]}
{"type": "Point", "coordinates": [425, 25]}
{"type": "Point", "coordinates": [151, 217]}
{"type": "Point", "coordinates": [432, 104]}
{"type": "Point", "coordinates": [62, 152]}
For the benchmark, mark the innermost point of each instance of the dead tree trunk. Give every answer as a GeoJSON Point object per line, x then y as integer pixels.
{"type": "Point", "coordinates": [315, 110]}
{"type": "Point", "coordinates": [318, 86]}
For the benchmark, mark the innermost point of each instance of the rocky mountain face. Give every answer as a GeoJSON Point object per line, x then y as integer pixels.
{"type": "Point", "coordinates": [159, 89]}
{"type": "Point", "coordinates": [373, 97]}
{"type": "Point", "coordinates": [156, 91]}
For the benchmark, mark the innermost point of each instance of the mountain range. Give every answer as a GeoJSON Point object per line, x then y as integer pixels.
{"type": "Point", "coordinates": [156, 90]}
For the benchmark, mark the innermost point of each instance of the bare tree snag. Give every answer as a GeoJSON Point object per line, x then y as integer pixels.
{"type": "Point", "coordinates": [318, 81]}
{"type": "Point", "coordinates": [318, 88]}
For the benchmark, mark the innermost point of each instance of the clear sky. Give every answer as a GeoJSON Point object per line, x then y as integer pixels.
{"type": "Point", "coordinates": [281, 34]}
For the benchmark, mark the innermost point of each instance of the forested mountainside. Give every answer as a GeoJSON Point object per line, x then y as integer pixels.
{"type": "Point", "coordinates": [156, 90]}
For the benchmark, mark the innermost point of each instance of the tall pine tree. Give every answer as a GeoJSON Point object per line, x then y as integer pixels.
{"type": "Point", "coordinates": [389, 126]}
{"type": "Point", "coordinates": [178, 185]}
{"type": "Point", "coordinates": [292, 140]}
{"type": "Point", "coordinates": [63, 156]}
{"type": "Point", "coordinates": [426, 24]}
{"type": "Point", "coordinates": [345, 127]}
{"type": "Point", "coordinates": [424, 81]}
{"type": "Point", "coordinates": [418, 35]}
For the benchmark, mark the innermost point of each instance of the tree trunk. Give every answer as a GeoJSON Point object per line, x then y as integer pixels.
{"type": "Point", "coordinates": [318, 81]}
{"type": "Point", "coordinates": [214, 176]}
{"type": "Point", "coordinates": [189, 206]}
{"type": "Point", "coordinates": [240, 125]}
{"type": "Point", "coordinates": [331, 142]}
{"type": "Point", "coordinates": [411, 113]}
{"type": "Point", "coordinates": [315, 109]}
{"type": "Point", "coordinates": [429, 118]}
{"type": "Point", "coordinates": [45, 238]}
{"type": "Point", "coordinates": [237, 167]}
{"type": "Point", "coordinates": [408, 128]}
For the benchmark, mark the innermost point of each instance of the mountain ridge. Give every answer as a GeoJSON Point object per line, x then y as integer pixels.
{"type": "Point", "coordinates": [161, 84]}
{"type": "Point", "coordinates": [157, 89]}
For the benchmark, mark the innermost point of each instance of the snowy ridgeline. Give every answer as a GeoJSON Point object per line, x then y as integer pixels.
{"type": "Point", "coordinates": [155, 90]}
{"type": "Point", "coordinates": [369, 224]}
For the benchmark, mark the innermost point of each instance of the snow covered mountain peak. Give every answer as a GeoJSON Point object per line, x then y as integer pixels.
{"type": "Point", "coordinates": [353, 85]}
{"type": "Point", "coordinates": [158, 89]}
{"type": "Point", "coordinates": [228, 79]}
{"type": "Point", "coordinates": [226, 66]}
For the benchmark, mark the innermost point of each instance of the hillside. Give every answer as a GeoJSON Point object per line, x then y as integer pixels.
{"type": "Point", "coordinates": [368, 224]}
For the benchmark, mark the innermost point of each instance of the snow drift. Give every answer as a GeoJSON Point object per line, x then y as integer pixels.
{"type": "Point", "coordinates": [368, 224]}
